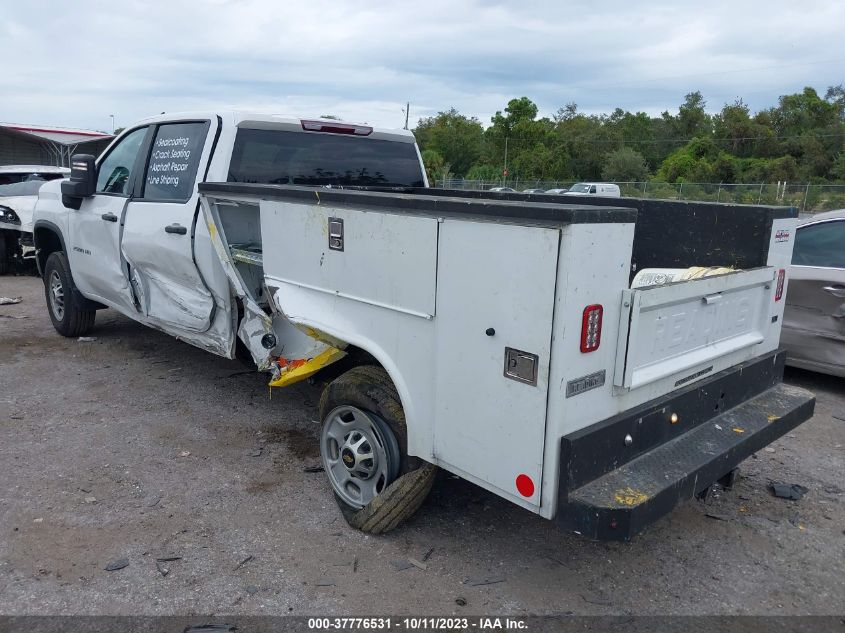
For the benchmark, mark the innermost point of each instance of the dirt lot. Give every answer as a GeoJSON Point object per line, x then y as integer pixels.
{"type": "Point", "coordinates": [136, 446]}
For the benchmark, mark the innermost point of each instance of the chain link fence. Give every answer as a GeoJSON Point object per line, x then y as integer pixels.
{"type": "Point", "coordinates": [808, 198]}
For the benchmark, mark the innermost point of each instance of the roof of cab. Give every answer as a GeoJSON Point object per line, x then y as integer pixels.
{"type": "Point", "coordinates": [258, 120]}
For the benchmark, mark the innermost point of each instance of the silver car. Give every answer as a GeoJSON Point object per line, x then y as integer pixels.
{"type": "Point", "coordinates": [814, 320]}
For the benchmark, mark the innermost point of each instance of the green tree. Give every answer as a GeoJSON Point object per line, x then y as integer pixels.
{"type": "Point", "coordinates": [436, 169]}
{"type": "Point", "coordinates": [456, 138]}
{"type": "Point", "coordinates": [624, 165]}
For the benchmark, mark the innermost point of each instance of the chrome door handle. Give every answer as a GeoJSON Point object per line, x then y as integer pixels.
{"type": "Point", "coordinates": [175, 228]}
{"type": "Point", "coordinates": [836, 291]}
{"type": "Point", "coordinates": [109, 217]}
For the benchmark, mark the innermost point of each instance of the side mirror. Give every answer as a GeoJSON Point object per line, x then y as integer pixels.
{"type": "Point", "coordinates": [82, 183]}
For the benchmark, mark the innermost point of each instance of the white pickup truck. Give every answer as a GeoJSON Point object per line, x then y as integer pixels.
{"type": "Point", "coordinates": [497, 336]}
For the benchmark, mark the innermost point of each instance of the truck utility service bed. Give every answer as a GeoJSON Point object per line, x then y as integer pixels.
{"type": "Point", "coordinates": [523, 359]}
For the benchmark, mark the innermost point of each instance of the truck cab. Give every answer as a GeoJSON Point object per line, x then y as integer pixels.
{"type": "Point", "coordinates": [128, 225]}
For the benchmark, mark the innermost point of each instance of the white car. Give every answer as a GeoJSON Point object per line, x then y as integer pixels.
{"type": "Point", "coordinates": [19, 185]}
{"type": "Point", "coordinates": [604, 189]}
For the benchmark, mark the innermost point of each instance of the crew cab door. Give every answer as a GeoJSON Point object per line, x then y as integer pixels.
{"type": "Point", "coordinates": [94, 230]}
{"type": "Point", "coordinates": [814, 319]}
{"type": "Point", "coordinates": [158, 234]}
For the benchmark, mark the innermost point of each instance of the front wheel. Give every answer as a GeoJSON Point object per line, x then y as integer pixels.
{"type": "Point", "coordinates": [364, 446]}
{"type": "Point", "coordinates": [63, 302]}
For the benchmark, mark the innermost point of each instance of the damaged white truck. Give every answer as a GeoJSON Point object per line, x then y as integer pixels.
{"type": "Point", "coordinates": [502, 337]}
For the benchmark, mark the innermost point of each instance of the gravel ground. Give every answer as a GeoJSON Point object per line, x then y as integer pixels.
{"type": "Point", "coordinates": [136, 446]}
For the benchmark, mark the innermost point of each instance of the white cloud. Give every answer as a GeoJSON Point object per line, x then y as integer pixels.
{"type": "Point", "coordinates": [77, 63]}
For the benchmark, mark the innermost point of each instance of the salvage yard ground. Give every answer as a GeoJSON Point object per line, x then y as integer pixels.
{"type": "Point", "coordinates": [134, 448]}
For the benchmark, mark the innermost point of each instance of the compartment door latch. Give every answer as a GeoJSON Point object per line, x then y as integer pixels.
{"type": "Point", "coordinates": [335, 234]}
{"type": "Point", "coordinates": [521, 366]}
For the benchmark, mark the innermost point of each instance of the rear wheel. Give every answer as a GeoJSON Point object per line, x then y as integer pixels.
{"type": "Point", "coordinates": [363, 444]}
{"type": "Point", "coordinates": [63, 302]}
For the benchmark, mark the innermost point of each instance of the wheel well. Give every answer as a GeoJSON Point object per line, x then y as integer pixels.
{"type": "Point", "coordinates": [355, 356]}
{"type": "Point", "coordinates": [46, 241]}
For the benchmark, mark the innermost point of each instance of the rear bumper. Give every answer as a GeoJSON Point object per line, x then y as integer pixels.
{"type": "Point", "coordinates": [612, 491]}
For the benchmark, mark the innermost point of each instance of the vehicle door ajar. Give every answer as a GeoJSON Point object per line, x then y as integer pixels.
{"type": "Point", "coordinates": [814, 320]}
{"type": "Point", "coordinates": [158, 233]}
{"type": "Point", "coordinates": [95, 228]}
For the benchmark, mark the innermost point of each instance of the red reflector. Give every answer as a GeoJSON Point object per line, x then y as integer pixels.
{"type": "Point", "coordinates": [779, 286]}
{"type": "Point", "coordinates": [336, 128]}
{"type": "Point", "coordinates": [525, 485]}
{"type": "Point", "coordinates": [591, 328]}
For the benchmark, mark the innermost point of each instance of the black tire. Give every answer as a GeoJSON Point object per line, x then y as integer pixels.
{"type": "Point", "coordinates": [5, 255]}
{"type": "Point", "coordinates": [71, 320]}
{"type": "Point", "coordinates": [370, 389]}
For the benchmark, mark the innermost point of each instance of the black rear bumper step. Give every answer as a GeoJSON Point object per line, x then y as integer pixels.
{"type": "Point", "coordinates": [619, 504]}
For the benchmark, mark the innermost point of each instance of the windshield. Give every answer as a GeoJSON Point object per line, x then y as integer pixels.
{"type": "Point", "coordinates": [580, 187]}
{"type": "Point", "coordinates": [25, 188]}
{"type": "Point", "coordinates": [301, 158]}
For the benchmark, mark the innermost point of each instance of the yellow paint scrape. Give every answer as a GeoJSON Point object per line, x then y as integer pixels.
{"type": "Point", "coordinates": [630, 497]}
{"type": "Point", "coordinates": [294, 373]}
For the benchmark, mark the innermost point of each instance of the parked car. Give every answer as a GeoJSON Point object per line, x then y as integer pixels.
{"type": "Point", "coordinates": [533, 191]}
{"type": "Point", "coordinates": [502, 190]}
{"type": "Point", "coordinates": [19, 185]}
{"type": "Point", "coordinates": [557, 191]}
{"type": "Point", "coordinates": [814, 320]}
{"type": "Point", "coordinates": [607, 190]}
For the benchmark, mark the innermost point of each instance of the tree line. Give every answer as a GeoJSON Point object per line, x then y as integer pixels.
{"type": "Point", "coordinates": [802, 138]}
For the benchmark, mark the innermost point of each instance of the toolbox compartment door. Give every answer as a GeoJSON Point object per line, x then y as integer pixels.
{"type": "Point", "coordinates": [673, 329]}
{"type": "Point", "coordinates": [495, 305]}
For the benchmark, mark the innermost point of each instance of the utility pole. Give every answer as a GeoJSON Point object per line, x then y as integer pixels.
{"type": "Point", "coordinates": [112, 123]}
{"type": "Point", "coordinates": [407, 113]}
{"type": "Point", "coordinates": [505, 169]}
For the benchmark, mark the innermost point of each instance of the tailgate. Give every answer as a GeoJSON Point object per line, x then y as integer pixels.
{"type": "Point", "coordinates": [675, 328]}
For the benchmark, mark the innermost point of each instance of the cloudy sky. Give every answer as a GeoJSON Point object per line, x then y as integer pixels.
{"type": "Point", "coordinates": [76, 63]}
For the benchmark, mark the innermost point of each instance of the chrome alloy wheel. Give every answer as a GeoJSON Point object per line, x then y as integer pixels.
{"type": "Point", "coordinates": [57, 296]}
{"type": "Point", "coordinates": [360, 454]}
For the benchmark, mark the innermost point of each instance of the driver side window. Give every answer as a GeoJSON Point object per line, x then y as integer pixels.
{"type": "Point", "coordinates": [116, 169]}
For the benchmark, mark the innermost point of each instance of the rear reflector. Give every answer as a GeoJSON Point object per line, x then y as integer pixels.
{"type": "Point", "coordinates": [779, 286]}
{"type": "Point", "coordinates": [335, 128]}
{"type": "Point", "coordinates": [591, 328]}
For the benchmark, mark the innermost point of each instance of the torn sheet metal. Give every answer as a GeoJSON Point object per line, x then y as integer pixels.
{"type": "Point", "coordinates": [268, 337]}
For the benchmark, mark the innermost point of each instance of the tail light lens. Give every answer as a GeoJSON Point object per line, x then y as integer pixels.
{"type": "Point", "coordinates": [591, 328]}
{"type": "Point", "coordinates": [779, 286]}
{"type": "Point", "coordinates": [336, 128]}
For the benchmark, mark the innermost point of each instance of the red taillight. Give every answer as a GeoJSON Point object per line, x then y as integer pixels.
{"type": "Point", "coordinates": [591, 328]}
{"type": "Point", "coordinates": [779, 286]}
{"type": "Point", "coordinates": [335, 128]}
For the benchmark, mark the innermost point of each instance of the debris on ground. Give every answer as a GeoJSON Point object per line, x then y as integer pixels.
{"type": "Point", "coordinates": [120, 563]}
{"type": "Point", "coordinates": [794, 492]}
{"type": "Point", "coordinates": [7, 301]}
{"type": "Point", "coordinates": [769, 449]}
{"type": "Point", "coordinates": [401, 565]}
{"type": "Point", "coordinates": [168, 559]}
{"type": "Point", "coordinates": [718, 517]}
{"type": "Point", "coordinates": [481, 582]}
{"type": "Point", "coordinates": [13, 316]}
{"type": "Point", "coordinates": [251, 589]}
{"type": "Point", "coordinates": [87, 339]}
{"type": "Point", "coordinates": [317, 468]}
{"type": "Point", "coordinates": [184, 454]}
{"type": "Point", "coordinates": [256, 452]}
{"type": "Point", "coordinates": [325, 582]}
{"type": "Point", "coordinates": [243, 562]}
{"type": "Point", "coordinates": [90, 499]}
{"type": "Point", "coordinates": [418, 564]}
{"type": "Point", "coordinates": [162, 569]}
{"type": "Point", "coordinates": [461, 601]}
{"type": "Point", "coordinates": [428, 554]}
{"type": "Point", "coordinates": [152, 501]}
